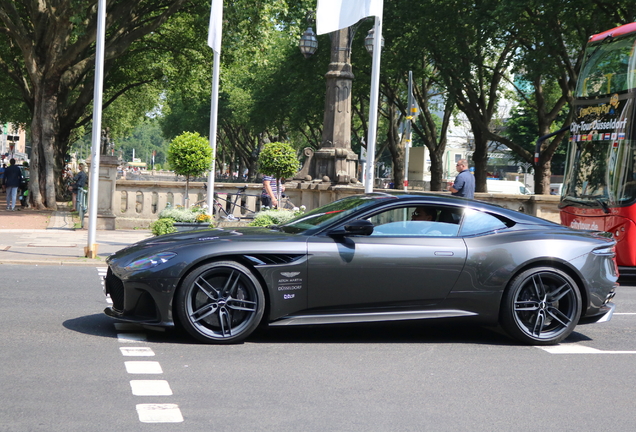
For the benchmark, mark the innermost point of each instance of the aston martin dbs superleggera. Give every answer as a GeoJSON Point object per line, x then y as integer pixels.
{"type": "Point", "coordinates": [371, 258]}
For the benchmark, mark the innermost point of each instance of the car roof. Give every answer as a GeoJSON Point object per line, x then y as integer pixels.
{"type": "Point", "coordinates": [446, 199]}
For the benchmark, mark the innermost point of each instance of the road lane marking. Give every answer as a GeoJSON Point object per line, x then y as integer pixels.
{"type": "Point", "coordinates": [148, 413]}
{"type": "Point", "coordinates": [136, 351]}
{"type": "Point", "coordinates": [131, 337]}
{"type": "Point", "coordinates": [578, 349]}
{"type": "Point", "coordinates": [102, 272]}
{"type": "Point", "coordinates": [143, 367]}
{"type": "Point", "coordinates": [150, 388]}
{"type": "Point", "coordinates": [624, 313]}
{"type": "Point", "coordinates": [159, 413]}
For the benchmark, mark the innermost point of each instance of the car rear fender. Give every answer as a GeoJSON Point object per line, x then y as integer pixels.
{"type": "Point", "coordinates": [563, 266]}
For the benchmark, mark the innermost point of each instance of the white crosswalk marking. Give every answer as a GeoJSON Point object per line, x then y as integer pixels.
{"type": "Point", "coordinates": [137, 352]}
{"type": "Point", "coordinates": [131, 337]}
{"type": "Point", "coordinates": [159, 413]}
{"type": "Point", "coordinates": [132, 333]}
{"type": "Point", "coordinates": [150, 388]}
{"type": "Point", "coordinates": [578, 349]}
{"type": "Point", "coordinates": [101, 272]}
{"type": "Point", "coordinates": [143, 367]}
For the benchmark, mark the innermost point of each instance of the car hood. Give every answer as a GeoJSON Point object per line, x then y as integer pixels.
{"type": "Point", "coordinates": [210, 233]}
{"type": "Point", "coordinates": [175, 241]}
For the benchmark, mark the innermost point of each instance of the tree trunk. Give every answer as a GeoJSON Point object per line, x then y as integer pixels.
{"type": "Point", "coordinates": [45, 130]}
{"type": "Point", "coordinates": [480, 161]}
{"type": "Point", "coordinates": [186, 201]}
{"type": "Point", "coordinates": [542, 176]}
{"type": "Point", "coordinates": [437, 167]}
{"type": "Point", "coordinates": [396, 148]}
{"type": "Point", "coordinates": [397, 154]}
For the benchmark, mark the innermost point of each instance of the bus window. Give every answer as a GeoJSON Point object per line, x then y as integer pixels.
{"type": "Point", "coordinates": [608, 68]}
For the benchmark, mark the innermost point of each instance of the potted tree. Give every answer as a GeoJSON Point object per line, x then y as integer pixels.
{"type": "Point", "coordinates": [189, 155]}
{"type": "Point", "coordinates": [279, 160]}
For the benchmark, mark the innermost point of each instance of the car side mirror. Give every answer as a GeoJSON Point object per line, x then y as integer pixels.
{"type": "Point", "coordinates": [355, 227]}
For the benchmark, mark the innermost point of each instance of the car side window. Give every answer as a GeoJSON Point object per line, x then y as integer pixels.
{"type": "Point", "coordinates": [390, 216]}
{"type": "Point", "coordinates": [477, 222]}
{"type": "Point", "coordinates": [403, 221]}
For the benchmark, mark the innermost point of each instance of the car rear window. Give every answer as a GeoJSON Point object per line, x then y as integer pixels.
{"type": "Point", "coordinates": [478, 222]}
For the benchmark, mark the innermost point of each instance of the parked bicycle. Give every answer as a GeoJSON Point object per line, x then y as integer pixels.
{"type": "Point", "coordinates": [225, 208]}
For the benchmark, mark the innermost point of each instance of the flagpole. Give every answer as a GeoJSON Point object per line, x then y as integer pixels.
{"type": "Point", "coordinates": [90, 250]}
{"type": "Point", "coordinates": [214, 41]}
{"type": "Point", "coordinates": [213, 126]}
{"type": "Point", "coordinates": [373, 106]}
{"type": "Point", "coordinates": [408, 132]}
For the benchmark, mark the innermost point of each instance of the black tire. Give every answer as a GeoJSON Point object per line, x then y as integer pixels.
{"type": "Point", "coordinates": [220, 302]}
{"type": "Point", "coordinates": [541, 306]}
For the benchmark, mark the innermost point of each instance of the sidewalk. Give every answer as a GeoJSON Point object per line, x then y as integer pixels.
{"type": "Point", "coordinates": [35, 237]}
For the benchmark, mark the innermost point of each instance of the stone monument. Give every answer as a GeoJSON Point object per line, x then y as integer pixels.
{"type": "Point", "coordinates": [335, 160]}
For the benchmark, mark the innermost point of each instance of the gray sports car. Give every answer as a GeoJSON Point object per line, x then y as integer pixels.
{"type": "Point", "coordinates": [374, 257]}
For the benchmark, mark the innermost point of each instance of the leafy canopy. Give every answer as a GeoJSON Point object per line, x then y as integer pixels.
{"type": "Point", "coordinates": [278, 159]}
{"type": "Point", "coordinates": [190, 154]}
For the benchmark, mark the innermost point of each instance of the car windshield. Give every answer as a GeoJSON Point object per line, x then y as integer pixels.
{"type": "Point", "coordinates": [318, 218]}
{"type": "Point", "coordinates": [609, 68]}
{"type": "Point", "coordinates": [601, 170]}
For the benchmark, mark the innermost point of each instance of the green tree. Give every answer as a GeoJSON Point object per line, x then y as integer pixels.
{"type": "Point", "coordinates": [144, 139]}
{"type": "Point", "coordinates": [278, 159]}
{"type": "Point", "coordinates": [48, 52]}
{"type": "Point", "coordinates": [268, 91]}
{"type": "Point", "coordinates": [552, 36]}
{"type": "Point", "coordinates": [189, 155]}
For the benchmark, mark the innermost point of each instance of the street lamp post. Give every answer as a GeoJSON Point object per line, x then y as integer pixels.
{"type": "Point", "coordinates": [525, 168]}
{"type": "Point", "coordinates": [335, 159]}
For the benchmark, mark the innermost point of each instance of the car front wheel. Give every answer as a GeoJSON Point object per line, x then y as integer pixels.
{"type": "Point", "coordinates": [541, 306]}
{"type": "Point", "coordinates": [220, 302]}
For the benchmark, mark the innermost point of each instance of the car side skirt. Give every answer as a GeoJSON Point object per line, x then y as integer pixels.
{"type": "Point", "coordinates": [369, 317]}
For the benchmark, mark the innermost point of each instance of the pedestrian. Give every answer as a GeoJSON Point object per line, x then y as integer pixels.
{"type": "Point", "coordinates": [2, 168]}
{"type": "Point", "coordinates": [11, 181]}
{"type": "Point", "coordinates": [269, 194]}
{"type": "Point", "coordinates": [464, 184]}
{"type": "Point", "coordinates": [78, 182]}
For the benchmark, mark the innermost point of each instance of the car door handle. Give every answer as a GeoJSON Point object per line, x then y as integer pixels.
{"type": "Point", "coordinates": [444, 253]}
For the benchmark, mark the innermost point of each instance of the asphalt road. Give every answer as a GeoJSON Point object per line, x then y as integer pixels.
{"type": "Point", "coordinates": [67, 367]}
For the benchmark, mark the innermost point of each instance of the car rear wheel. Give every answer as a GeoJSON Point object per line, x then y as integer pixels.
{"type": "Point", "coordinates": [220, 302]}
{"type": "Point", "coordinates": [541, 306]}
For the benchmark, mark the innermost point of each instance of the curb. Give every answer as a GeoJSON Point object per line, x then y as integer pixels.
{"type": "Point", "coordinates": [52, 262]}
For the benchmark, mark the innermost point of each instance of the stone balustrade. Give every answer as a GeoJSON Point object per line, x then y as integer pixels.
{"type": "Point", "coordinates": [137, 203]}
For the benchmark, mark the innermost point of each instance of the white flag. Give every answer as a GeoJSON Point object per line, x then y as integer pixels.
{"type": "Point", "coordinates": [332, 15]}
{"type": "Point", "coordinates": [216, 25]}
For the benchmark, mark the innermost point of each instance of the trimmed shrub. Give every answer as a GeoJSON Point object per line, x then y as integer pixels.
{"type": "Point", "coordinates": [163, 226]}
{"type": "Point", "coordinates": [274, 217]}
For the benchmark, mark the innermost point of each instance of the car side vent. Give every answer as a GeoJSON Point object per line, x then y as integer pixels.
{"type": "Point", "coordinates": [273, 259]}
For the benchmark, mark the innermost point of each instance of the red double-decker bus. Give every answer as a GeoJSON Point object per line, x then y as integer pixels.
{"type": "Point", "coordinates": [599, 190]}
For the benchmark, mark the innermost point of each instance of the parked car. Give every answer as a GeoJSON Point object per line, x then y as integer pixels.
{"type": "Point", "coordinates": [509, 187]}
{"type": "Point", "coordinates": [362, 259]}
{"type": "Point", "coordinates": [556, 188]}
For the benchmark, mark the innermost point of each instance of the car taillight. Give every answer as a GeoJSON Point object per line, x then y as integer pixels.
{"type": "Point", "coordinates": [610, 252]}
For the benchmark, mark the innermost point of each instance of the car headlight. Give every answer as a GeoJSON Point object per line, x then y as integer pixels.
{"type": "Point", "coordinates": [151, 261]}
